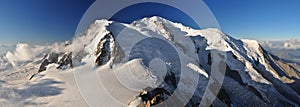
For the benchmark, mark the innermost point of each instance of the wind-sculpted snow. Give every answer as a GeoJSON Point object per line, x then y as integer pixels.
{"type": "Point", "coordinates": [26, 97]}
{"type": "Point", "coordinates": [151, 62]}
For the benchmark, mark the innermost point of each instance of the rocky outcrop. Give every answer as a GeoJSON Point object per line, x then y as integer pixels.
{"type": "Point", "coordinates": [153, 96]}
{"type": "Point", "coordinates": [48, 59]}
{"type": "Point", "coordinates": [104, 49]}
{"type": "Point", "coordinates": [63, 61]}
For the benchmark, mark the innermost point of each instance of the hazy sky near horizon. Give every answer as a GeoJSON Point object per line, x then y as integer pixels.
{"type": "Point", "coordinates": [47, 21]}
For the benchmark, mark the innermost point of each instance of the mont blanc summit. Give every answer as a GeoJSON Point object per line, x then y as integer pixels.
{"type": "Point", "coordinates": [151, 61]}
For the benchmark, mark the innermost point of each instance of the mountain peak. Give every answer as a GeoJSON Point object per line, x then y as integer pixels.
{"type": "Point", "coordinates": [154, 18]}
{"type": "Point", "coordinates": [153, 58]}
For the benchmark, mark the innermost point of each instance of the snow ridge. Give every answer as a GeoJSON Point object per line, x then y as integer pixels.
{"type": "Point", "coordinates": [253, 76]}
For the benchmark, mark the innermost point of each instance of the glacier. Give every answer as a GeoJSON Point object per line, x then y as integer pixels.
{"type": "Point", "coordinates": [151, 61]}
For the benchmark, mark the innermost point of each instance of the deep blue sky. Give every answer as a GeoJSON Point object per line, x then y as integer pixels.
{"type": "Point", "coordinates": [40, 21]}
{"type": "Point", "coordinates": [258, 19]}
{"type": "Point", "coordinates": [153, 9]}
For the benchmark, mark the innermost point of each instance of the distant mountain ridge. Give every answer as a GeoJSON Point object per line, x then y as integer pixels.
{"type": "Point", "coordinates": [288, 50]}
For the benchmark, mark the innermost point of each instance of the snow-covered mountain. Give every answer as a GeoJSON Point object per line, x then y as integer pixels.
{"type": "Point", "coordinates": [151, 61]}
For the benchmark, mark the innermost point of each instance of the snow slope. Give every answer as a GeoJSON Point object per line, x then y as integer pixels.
{"type": "Point", "coordinates": [151, 61]}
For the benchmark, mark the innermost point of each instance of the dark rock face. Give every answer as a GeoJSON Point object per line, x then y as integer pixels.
{"type": "Point", "coordinates": [43, 65]}
{"type": "Point", "coordinates": [153, 97]}
{"type": "Point", "coordinates": [48, 59]}
{"type": "Point", "coordinates": [209, 59]}
{"type": "Point", "coordinates": [104, 50]}
{"type": "Point", "coordinates": [64, 61]}
{"type": "Point", "coordinates": [53, 57]}
{"type": "Point", "coordinates": [224, 97]}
